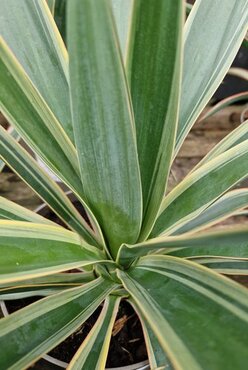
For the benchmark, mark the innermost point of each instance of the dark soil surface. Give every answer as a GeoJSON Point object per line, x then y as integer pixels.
{"type": "Point", "coordinates": [127, 344]}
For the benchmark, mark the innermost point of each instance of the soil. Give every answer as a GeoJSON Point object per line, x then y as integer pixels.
{"type": "Point", "coordinates": [127, 344]}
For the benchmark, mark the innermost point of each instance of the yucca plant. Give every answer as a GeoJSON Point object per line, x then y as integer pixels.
{"type": "Point", "coordinates": [108, 121]}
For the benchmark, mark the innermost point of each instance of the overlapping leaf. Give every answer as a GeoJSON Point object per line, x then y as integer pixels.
{"type": "Point", "coordinates": [156, 354]}
{"type": "Point", "coordinates": [16, 136]}
{"type": "Point", "coordinates": [235, 137]}
{"type": "Point", "coordinates": [212, 39]}
{"type": "Point", "coordinates": [224, 265]}
{"type": "Point", "coordinates": [232, 243]}
{"type": "Point", "coordinates": [154, 73]}
{"type": "Point", "coordinates": [12, 211]}
{"type": "Point", "coordinates": [192, 305]}
{"type": "Point", "coordinates": [227, 205]}
{"type": "Point", "coordinates": [26, 110]}
{"type": "Point", "coordinates": [31, 250]}
{"type": "Point", "coordinates": [203, 186]}
{"type": "Point", "coordinates": [103, 121]}
{"type": "Point", "coordinates": [26, 167]}
{"type": "Point", "coordinates": [92, 354]}
{"type": "Point", "coordinates": [45, 285]}
{"type": "Point", "coordinates": [243, 96]}
{"type": "Point", "coordinates": [122, 10]}
{"type": "Point", "coordinates": [45, 61]}
{"type": "Point", "coordinates": [48, 322]}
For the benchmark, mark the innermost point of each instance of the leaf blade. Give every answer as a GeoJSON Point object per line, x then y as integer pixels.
{"type": "Point", "coordinates": [235, 137]}
{"type": "Point", "coordinates": [95, 357]}
{"type": "Point", "coordinates": [49, 322]}
{"type": "Point", "coordinates": [190, 198]}
{"type": "Point", "coordinates": [224, 265]}
{"type": "Point", "coordinates": [171, 293]}
{"type": "Point", "coordinates": [232, 243]}
{"type": "Point", "coordinates": [46, 55]}
{"type": "Point", "coordinates": [24, 107]}
{"type": "Point", "coordinates": [26, 167]}
{"type": "Point", "coordinates": [155, 97]}
{"type": "Point", "coordinates": [12, 211]}
{"type": "Point", "coordinates": [101, 108]}
{"type": "Point", "coordinates": [226, 206]}
{"type": "Point", "coordinates": [157, 357]}
{"type": "Point", "coordinates": [212, 39]}
{"type": "Point", "coordinates": [33, 250]}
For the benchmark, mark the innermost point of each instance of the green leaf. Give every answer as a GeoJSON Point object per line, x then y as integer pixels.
{"type": "Point", "coordinates": [235, 137]}
{"type": "Point", "coordinates": [222, 208]}
{"type": "Point", "coordinates": [25, 109]}
{"type": "Point", "coordinates": [51, 5]}
{"type": "Point", "coordinates": [26, 292]}
{"type": "Point", "coordinates": [45, 285]}
{"type": "Point", "coordinates": [154, 72]}
{"type": "Point", "coordinates": [27, 168]}
{"type": "Point", "coordinates": [243, 96]}
{"type": "Point", "coordinates": [227, 243]}
{"type": "Point", "coordinates": [203, 186]}
{"type": "Point", "coordinates": [92, 354]}
{"type": "Point", "coordinates": [157, 358]}
{"type": "Point", "coordinates": [103, 122]}
{"type": "Point", "coordinates": [16, 136]}
{"type": "Point", "coordinates": [224, 265]}
{"type": "Point", "coordinates": [12, 211]}
{"type": "Point", "coordinates": [55, 280]}
{"type": "Point", "coordinates": [232, 243]}
{"type": "Point", "coordinates": [45, 61]}
{"type": "Point", "coordinates": [213, 35]}
{"type": "Point", "coordinates": [204, 315]}
{"type": "Point", "coordinates": [122, 10]}
{"type": "Point", "coordinates": [31, 250]}
{"type": "Point", "coordinates": [47, 322]}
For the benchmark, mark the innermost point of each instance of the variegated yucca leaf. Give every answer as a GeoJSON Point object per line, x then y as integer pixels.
{"type": "Point", "coordinates": [92, 354]}
{"type": "Point", "coordinates": [227, 205]}
{"type": "Point", "coordinates": [53, 250]}
{"type": "Point", "coordinates": [232, 243]}
{"type": "Point", "coordinates": [104, 131]}
{"type": "Point", "coordinates": [12, 211]}
{"type": "Point", "coordinates": [236, 98]}
{"type": "Point", "coordinates": [51, 4]}
{"type": "Point", "coordinates": [48, 139]}
{"type": "Point", "coordinates": [45, 285]}
{"type": "Point", "coordinates": [21, 162]}
{"type": "Point", "coordinates": [154, 74]}
{"type": "Point", "coordinates": [156, 354]}
{"type": "Point", "coordinates": [48, 322]}
{"type": "Point", "coordinates": [224, 265]}
{"type": "Point", "coordinates": [207, 58]}
{"type": "Point", "coordinates": [23, 21]}
{"type": "Point", "coordinates": [108, 118]}
{"type": "Point", "coordinates": [16, 136]}
{"type": "Point", "coordinates": [174, 295]}
{"type": "Point", "coordinates": [235, 137]}
{"type": "Point", "coordinates": [188, 199]}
